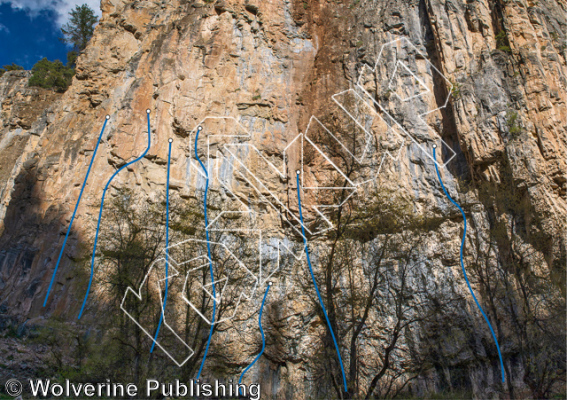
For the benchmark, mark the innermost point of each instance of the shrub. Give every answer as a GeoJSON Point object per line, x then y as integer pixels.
{"type": "Point", "coordinates": [502, 42]}
{"type": "Point", "coordinates": [11, 67]}
{"type": "Point", "coordinates": [501, 38]}
{"type": "Point", "coordinates": [513, 124]}
{"type": "Point", "coordinates": [51, 75]}
{"type": "Point", "coordinates": [456, 91]}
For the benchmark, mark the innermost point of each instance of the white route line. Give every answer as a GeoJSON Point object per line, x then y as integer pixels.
{"type": "Point", "coordinates": [398, 62]}
{"type": "Point", "coordinates": [138, 295]}
{"type": "Point", "coordinates": [232, 151]}
{"type": "Point", "coordinates": [419, 116]}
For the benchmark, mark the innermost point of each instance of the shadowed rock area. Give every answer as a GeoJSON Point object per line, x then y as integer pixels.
{"type": "Point", "coordinates": [389, 271]}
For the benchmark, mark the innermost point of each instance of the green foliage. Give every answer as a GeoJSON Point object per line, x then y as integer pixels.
{"type": "Point", "coordinates": [513, 124]}
{"type": "Point", "coordinates": [80, 27]}
{"type": "Point", "coordinates": [354, 4]}
{"type": "Point", "coordinates": [51, 75]}
{"type": "Point", "coordinates": [386, 212]}
{"type": "Point", "coordinates": [456, 91]}
{"type": "Point", "coordinates": [502, 42]}
{"type": "Point", "coordinates": [11, 332]}
{"type": "Point", "coordinates": [501, 38]}
{"type": "Point", "coordinates": [11, 67]}
{"type": "Point", "coordinates": [72, 58]}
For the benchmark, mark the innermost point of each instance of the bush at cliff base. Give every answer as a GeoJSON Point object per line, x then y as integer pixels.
{"type": "Point", "coordinates": [51, 75]}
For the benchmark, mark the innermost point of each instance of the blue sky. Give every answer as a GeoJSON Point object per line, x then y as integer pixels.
{"type": "Point", "coordinates": [30, 29]}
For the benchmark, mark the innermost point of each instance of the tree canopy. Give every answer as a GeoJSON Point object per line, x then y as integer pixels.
{"type": "Point", "coordinates": [77, 32]}
{"type": "Point", "coordinates": [51, 75]}
{"type": "Point", "coordinates": [80, 27]}
{"type": "Point", "coordinates": [11, 67]}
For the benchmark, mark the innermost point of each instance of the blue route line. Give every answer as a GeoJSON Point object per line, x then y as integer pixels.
{"type": "Point", "coordinates": [166, 247]}
{"type": "Point", "coordinates": [263, 339]}
{"type": "Point", "coordinates": [209, 255]}
{"type": "Point", "coordinates": [75, 211]}
{"type": "Point", "coordinates": [463, 268]}
{"type": "Point", "coordinates": [316, 287]}
{"type": "Point", "coordinates": [100, 213]}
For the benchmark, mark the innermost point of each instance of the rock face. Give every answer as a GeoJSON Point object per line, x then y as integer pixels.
{"type": "Point", "coordinates": [272, 65]}
{"type": "Point", "coordinates": [23, 115]}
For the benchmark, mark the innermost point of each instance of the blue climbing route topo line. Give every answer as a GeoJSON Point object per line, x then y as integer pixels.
{"type": "Point", "coordinates": [208, 253]}
{"type": "Point", "coordinates": [463, 267]}
{"type": "Point", "coordinates": [166, 246]}
{"type": "Point", "coordinates": [263, 338]}
{"type": "Point", "coordinates": [315, 284]}
{"type": "Point", "coordinates": [75, 211]}
{"type": "Point", "coordinates": [100, 212]}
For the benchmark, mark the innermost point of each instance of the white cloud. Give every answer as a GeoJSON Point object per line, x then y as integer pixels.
{"type": "Point", "coordinates": [61, 7]}
{"type": "Point", "coordinates": [4, 28]}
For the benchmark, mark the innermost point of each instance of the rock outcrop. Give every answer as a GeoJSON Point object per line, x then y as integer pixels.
{"type": "Point", "coordinates": [24, 113]}
{"type": "Point", "coordinates": [272, 65]}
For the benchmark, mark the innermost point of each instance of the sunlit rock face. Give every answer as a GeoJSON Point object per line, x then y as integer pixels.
{"type": "Point", "coordinates": [490, 81]}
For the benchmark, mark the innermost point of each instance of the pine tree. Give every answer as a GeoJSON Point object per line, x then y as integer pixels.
{"type": "Point", "coordinates": [12, 67]}
{"type": "Point", "coordinates": [80, 27]}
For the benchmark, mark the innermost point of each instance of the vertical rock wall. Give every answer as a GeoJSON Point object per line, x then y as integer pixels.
{"type": "Point", "coordinates": [274, 64]}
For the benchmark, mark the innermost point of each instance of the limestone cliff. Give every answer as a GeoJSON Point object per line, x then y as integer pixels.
{"type": "Point", "coordinates": [272, 66]}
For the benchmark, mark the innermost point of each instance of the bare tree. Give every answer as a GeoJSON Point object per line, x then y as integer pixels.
{"type": "Point", "coordinates": [522, 296]}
